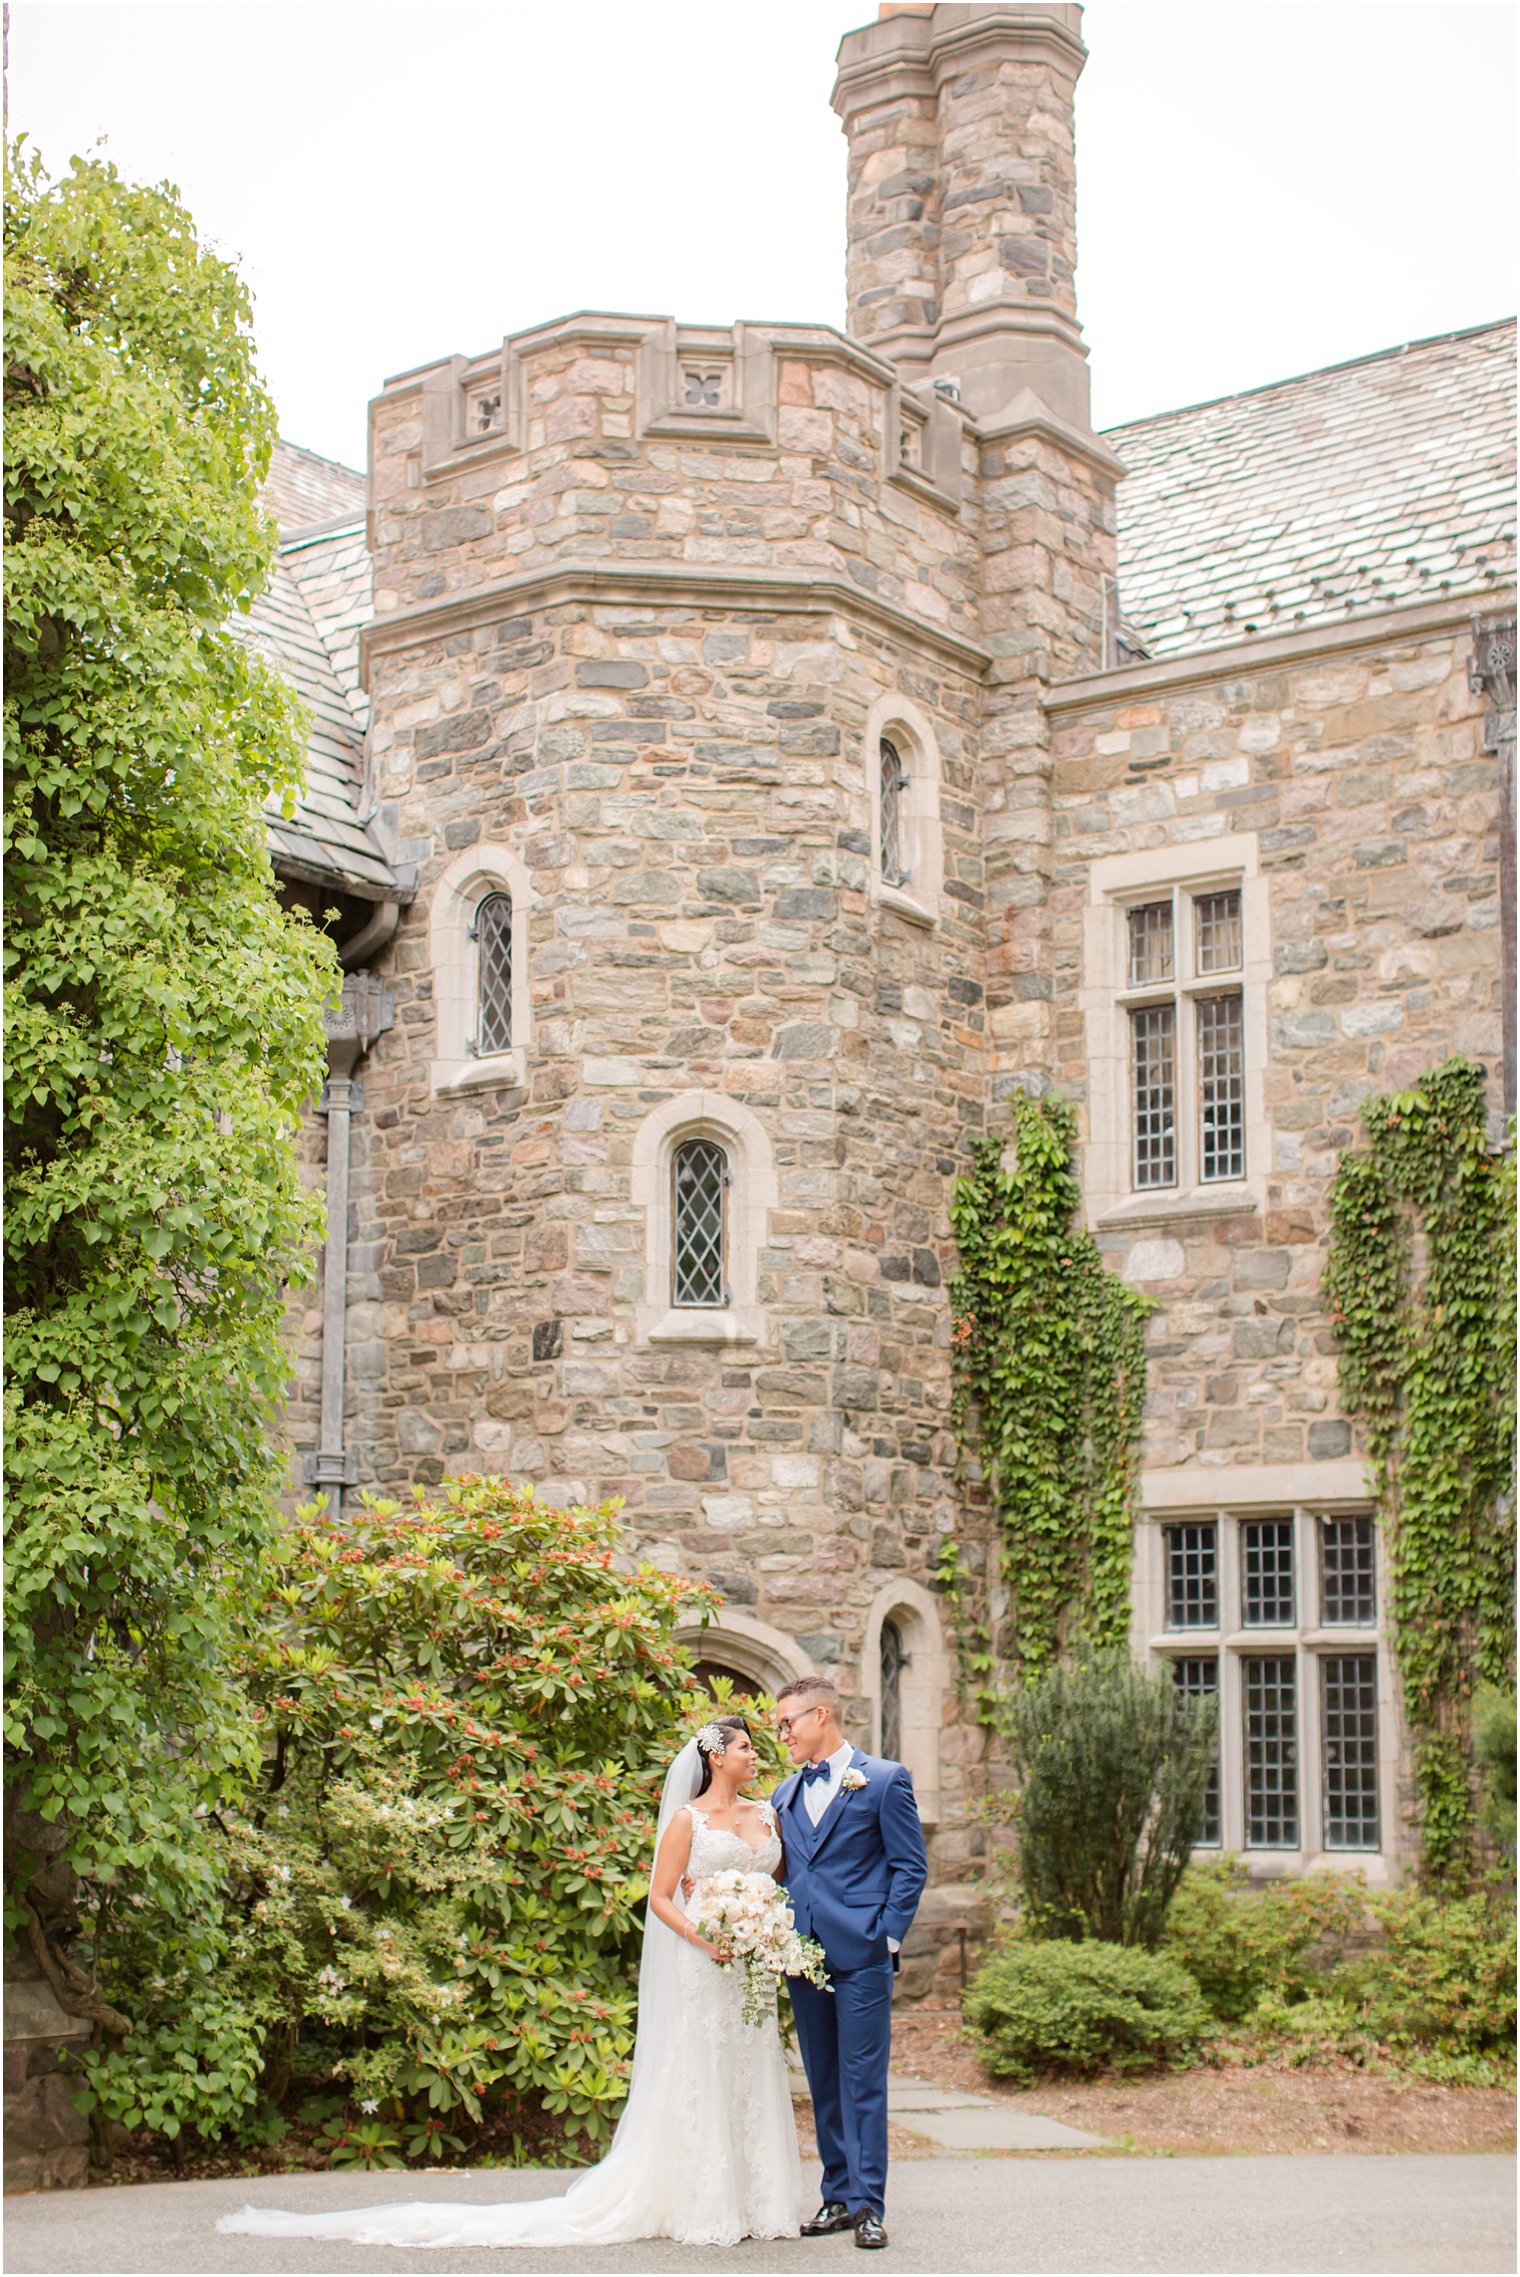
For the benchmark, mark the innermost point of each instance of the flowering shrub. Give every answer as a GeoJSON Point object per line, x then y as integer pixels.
{"type": "Point", "coordinates": [433, 1897]}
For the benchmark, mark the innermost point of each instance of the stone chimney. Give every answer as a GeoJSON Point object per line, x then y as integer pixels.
{"type": "Point", "coordinates": [962, 200]}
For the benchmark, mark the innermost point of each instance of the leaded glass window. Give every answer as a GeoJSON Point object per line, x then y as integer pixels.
{"type": "Point", "coordinates": [700, 1212]}
{"type": "Point", "coordinates": [1347, 1573]}
{"type": "Point", "coordinates": [1270, 1703]}
{"type": "Point", "coordinates": [1217, 936]}
{"type": "Point", "coordinates": [893, 1661]}
{"type": "Point", "coordinates": [1221, 1087]}
{"type": "Point", "coordinates": [894, 783]}
{"type": "Point", "coordinates": [1348, 1736]}
{"type": "Point", "coordinates": [1266, 1573]}
{"type": "Point", "coordinates": [1153, 1038]}
{"type": "Point", "coordinates": [1197, 1678]}
{"type": "Point", "coordinates": [493, 975]}
{"type": "Point", "coordinates": [1150, 944]}
{"type": "Point", "coordinates": [1192, 1576]}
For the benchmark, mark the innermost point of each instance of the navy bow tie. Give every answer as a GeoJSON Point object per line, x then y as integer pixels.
{"type": "Point", "coordinates": [814, 1771]}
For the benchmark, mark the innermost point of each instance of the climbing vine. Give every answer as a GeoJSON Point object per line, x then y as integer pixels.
{"type": "Point", "coordinates": [1050, 1363]}
{"type": "Point", "coordinates": [1421, 1279]}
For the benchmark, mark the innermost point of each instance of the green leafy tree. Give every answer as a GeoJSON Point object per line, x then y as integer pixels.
{"type": "Point", "coordinates": [1111, 1761]}
{"type": "Point", "coordinates": [1050, 1366]}
{"type": "Point", "coordinates": [1421, 1277]}
{"type": "Point", "coordinates": [164, 1030]}
{"type": "Point", "coordinates": [429, 1907]}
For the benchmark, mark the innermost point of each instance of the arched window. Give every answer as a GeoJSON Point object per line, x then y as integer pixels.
{"type": "Point", "coordinates": [493, 975]}
{"type": "Point", "coordinates": [704, 1175]}
{"type": "Point", "coordinates": [894, 848]}
{"type": "Point", "coordinates": [893, 1661]}
{"type": "Point", "coordinates": [902, 787]}
{"type": "Point", "coordinates": [699, 1212]}
{"type": "Point", "coordinates": [478, 943]}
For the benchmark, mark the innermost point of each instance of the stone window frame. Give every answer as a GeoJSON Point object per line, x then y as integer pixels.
{"type": "Point", "coordinates": [469, 879]}
{"type": "Point", "coordinates": [1117, 883]}
{"type": "Point", "coordinates": [926, 1683]}
{"type": "Point", "coordinates": [752, 1196]}
{"type": "Point", "coordinates": [1307, 1640]}
{"type": "Point", "coordinates": [897, 720]}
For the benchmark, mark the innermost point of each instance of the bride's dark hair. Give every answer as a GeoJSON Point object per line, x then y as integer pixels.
{"type": "Point", "coordinates": [724, 1724]}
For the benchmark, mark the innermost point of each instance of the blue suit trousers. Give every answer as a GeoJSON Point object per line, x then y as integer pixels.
{"type": "Point", "coordinates": [846, 2040]}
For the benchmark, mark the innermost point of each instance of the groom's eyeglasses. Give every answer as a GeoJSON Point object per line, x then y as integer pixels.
{"type": "Point", "coordinates": [786, 1725]}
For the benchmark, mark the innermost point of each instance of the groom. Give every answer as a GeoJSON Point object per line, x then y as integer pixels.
{"type": "Point", "coordinates": [855, 1869]}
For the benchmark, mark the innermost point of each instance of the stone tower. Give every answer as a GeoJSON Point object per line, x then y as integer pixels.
{"type": "Point", "coordinates": [961, 269]}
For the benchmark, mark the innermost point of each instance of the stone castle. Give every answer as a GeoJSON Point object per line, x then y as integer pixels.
{"type": "Point", "coordinates": [741, 758]}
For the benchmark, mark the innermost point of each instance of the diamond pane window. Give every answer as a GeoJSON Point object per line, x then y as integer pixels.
{"type": "Point", "coordinates": [1348, 1716]}
{"type": "Point", "coordinates": [893, 1661]}
{"type": "Point", "coordinates": [1217, 935]}
{"type": "Point", "coordinates": [1271, 1750]}
{"type": "Point", "coordinates": [894, 864]}
{"type": "Point", "coordinates": [1266, 1562]}
{"type": "Point", "coordinates": [1347, 1573]}
{"type": "Point", "coordinates": [1153, 1038]}
{"type": "Point", "coordinates": [1221, 1088]}
{"type": "Point", "coordinates": [493, 975]}
{"type": "Point", "coordinates": [1198, 1679]}
{"type": "Point", "coordinates": [1150, 945]}
{"type": "Point", "coordinates": [701, 1223]}
{"type": "Point", "coordinates": [1192, 1576]}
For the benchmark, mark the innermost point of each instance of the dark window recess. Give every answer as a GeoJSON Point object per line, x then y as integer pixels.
{"type": "Point", "coordinates": [1266, 1573]}
{"type": "Point", "coordinates": [894, 781]}
{"type": "Point", "coordinates": [1348, 1721]}
{"type": "Point", "coordinates": [701, 1223]}
{"type": "Point", "coordinates": [1198, 1679]}
{"type": "Point", "coordinates": [1192, 1576]}
{"type": "Point", "coordinates": [1271, 1750]}
{"type": "Point", "coordinates": [893, 1661]}
{"type": "Point", "coordinates": [1348, 1573]}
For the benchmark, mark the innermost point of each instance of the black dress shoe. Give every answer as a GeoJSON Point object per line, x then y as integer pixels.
{"type": "Point", "coordinates": [869, 2232]}
{"type": "Point", "coordinates": [832, 2215]}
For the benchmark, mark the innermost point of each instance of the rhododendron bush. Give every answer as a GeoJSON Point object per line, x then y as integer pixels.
{"type": "Point", "coordinates": [429, 1908]}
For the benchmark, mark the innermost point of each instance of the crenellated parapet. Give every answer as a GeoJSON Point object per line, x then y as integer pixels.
{"type": "Point", "coordinates": [783, 456]}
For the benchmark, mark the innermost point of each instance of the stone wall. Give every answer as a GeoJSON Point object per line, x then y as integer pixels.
{"type": "Point", "coordinates": [46, 2137]}
{"type": "Point", "coordinates": [1358, 772]}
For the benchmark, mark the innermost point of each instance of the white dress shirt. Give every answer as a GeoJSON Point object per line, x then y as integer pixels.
{"type": "Point", "coordinates": [817, 1794]}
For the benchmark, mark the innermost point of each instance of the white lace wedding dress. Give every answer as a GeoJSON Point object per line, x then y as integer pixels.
{"type": "Point", "coordinates": [706, 2149]}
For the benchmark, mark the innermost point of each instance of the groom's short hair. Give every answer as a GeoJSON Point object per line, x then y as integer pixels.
{"type": "Point", "coordinates": [810, 1690]}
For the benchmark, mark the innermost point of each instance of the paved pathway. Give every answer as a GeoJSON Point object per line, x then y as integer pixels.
{"type": "Point", "coordinates": [946, 2214]}
{"type": "Point", "coordinates": [976, 2122]}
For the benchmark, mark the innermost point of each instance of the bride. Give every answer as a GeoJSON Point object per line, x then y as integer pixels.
{"type": "Point", "coordinates": [706, 2149]}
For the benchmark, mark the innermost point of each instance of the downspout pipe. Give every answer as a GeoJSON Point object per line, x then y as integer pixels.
{"type": "Point", "coordinates": [362, 1013]}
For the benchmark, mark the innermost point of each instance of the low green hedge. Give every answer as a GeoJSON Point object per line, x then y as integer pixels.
{"type": "Point", "coordinates": [1238, 1941]}
{"type": "Point", "coordinates": [1084, 2007]}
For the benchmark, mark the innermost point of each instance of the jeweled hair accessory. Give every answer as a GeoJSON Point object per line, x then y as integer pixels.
{"type": "Point", "coordinates": [712, 1739]}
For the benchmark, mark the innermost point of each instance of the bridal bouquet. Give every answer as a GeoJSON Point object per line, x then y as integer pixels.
{"type": "Point", "coordinates": [750, 1915]}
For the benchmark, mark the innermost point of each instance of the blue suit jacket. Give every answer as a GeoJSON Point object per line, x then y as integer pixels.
{"type": "Point", "coordinates": [855, 1879]}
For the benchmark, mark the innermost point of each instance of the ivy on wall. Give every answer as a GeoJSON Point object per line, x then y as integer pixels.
{"type": "Point", "coordinates": [1050, 1363]}
{"type": "Point", "coordinates": [1421, 1279]}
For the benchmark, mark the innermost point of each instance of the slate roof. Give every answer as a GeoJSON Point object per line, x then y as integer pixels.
{"type": "Point", "coordinates": [1344, 492]}
{"type": "Point", "coordinates": [307, 623]}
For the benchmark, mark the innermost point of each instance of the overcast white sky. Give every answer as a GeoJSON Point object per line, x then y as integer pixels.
{"type": "Point", "coordinates": [1265, 185]}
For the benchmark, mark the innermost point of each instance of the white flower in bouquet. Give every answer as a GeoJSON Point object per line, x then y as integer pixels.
{"type": "Point", "coordinates": [748, 1914]}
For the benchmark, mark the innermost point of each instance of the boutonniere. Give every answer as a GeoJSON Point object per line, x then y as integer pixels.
{"type": "Point", "coordinates": [853, 1781]}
